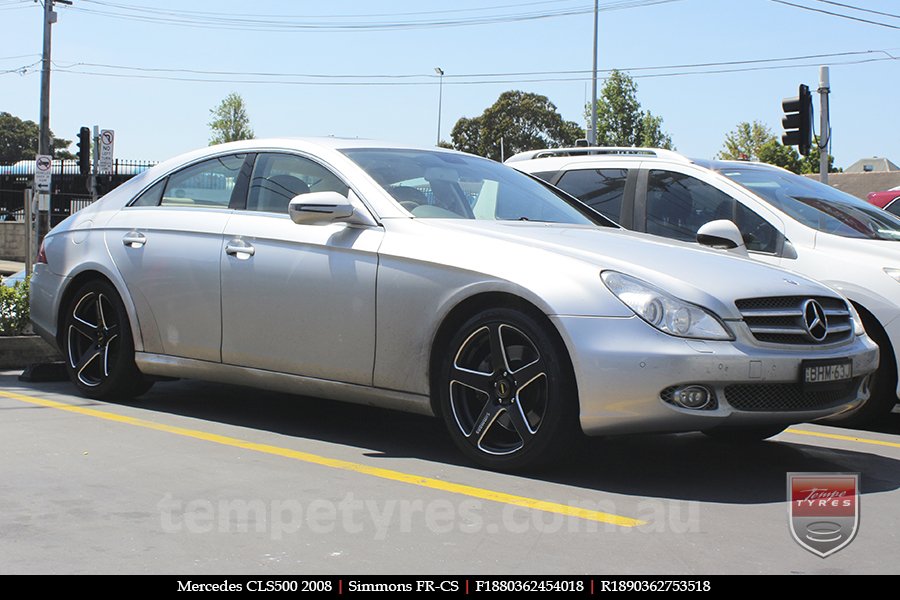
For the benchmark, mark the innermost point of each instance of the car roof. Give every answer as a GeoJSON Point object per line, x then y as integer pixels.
{"type": "Point", "coordinates": [554, 159]}
{"type": "Point", "coordinates": [597, 152]}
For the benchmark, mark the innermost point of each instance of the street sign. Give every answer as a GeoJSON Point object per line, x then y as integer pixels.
{"type": "Point", "coordinates": [42, 165]}
{"type": "Point", "coordinates": [107, 137]}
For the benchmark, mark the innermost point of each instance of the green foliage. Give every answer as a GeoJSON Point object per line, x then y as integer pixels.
{"type": "Point", "coordinates": [620, 120]}
{"type": "Point", "coordinates": [773, 153]}
{"type": "Point", "coordinates": [230, 122]}
{"type": "Point", "coordinates": [522, 120]}
{"type": "Point", "coordinates": [19, 140]}
{"type": "Point", "coordinates": [745, 141]}
{"type": "Point", "coordinates": [14, 310]}
{"type": "Point", "coordinates": [755, 141]}
{"type": "Point", "coordinates": [810, 164]}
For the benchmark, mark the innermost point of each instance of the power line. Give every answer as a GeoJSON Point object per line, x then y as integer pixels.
{"type": "Point", "coordinates": [345, 16]}
{"type": "Point", "coordinates": [18, 56]}
{"type": "Point", "coordinates": [369, 83]}
{"type": "Point", "coordinates": [288, 23]}
{"type": "Point", "coordinates": [861, 9]}
{"type": "Point", "coordinates": [427, 76]}
{"type": "Point", "coordinates": [834, 14]}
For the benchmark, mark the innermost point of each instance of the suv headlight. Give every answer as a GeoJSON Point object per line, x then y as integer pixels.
{"type": "Point", "coordinates": [664, 311]}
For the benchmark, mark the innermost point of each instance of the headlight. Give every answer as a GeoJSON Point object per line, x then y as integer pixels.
{"type": "Point", "coordinates": [894, 273]}
{"type": "Point", "coordinates": [663, 311]}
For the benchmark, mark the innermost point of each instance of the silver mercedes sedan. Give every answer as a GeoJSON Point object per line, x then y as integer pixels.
{"type": "Point", "coordinates": [438, 283]}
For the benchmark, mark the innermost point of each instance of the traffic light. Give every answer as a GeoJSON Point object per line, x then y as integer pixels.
{"type": "Point", "coordinates": [797, 121]}
{"type": "Point", "coordinates": [84, 151]}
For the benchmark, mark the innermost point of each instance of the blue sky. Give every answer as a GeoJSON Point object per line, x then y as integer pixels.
{"type": "Point", "coordinates": [147, 94]}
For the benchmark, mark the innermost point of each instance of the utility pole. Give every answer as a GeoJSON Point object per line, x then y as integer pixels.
{"type": "Point", "coordinates": [824, 140]}
{"type": "Point", "coordinates": [592, 137]}
{"type": "Point", "coordinates": [44, 142]}
{"type": "Point", "coordinates": [440, 73]}
{"type": "Point", "coordinates": [95, 168]}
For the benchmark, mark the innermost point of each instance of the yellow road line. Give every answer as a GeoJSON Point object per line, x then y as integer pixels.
{"type": "Point", "coordinates": [845, 438]}
{"type": "Point", "coordinates": [334, 463]}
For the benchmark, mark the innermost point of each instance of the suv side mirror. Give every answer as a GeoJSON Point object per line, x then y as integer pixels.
{"type": "Point", "coordinates": [722, 235]}
{"type": "Point", "coordinates": [324, 208]}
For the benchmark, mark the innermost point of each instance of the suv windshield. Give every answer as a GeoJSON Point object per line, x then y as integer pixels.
{"type": "Point", "coordinates": [445, 185]}
{"type": "Point", "coordinates": [817, 205]}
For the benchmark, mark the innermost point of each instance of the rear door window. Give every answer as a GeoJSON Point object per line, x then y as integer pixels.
{"type": "Point", "coordinates": [208, 184]}
{"type": "Point", "coordinates": [601, 189]}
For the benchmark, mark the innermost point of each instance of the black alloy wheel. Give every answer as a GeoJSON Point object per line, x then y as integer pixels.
{"type": "Point", "coordinates": [98, 346]}
{"type": "Point", "coordinates": [507, 396]}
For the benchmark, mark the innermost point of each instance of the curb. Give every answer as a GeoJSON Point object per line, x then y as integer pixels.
{"type": "Point", "coordinates": [19, 351]}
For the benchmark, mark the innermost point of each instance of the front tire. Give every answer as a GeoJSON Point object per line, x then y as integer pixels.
{"type": "Point", "coordinates": [506, 391]}
{"type": "Point", "coordinates": [98, 345]}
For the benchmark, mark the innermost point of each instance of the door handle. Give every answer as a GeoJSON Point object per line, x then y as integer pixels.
{"type": "Point", "coordinates": [134, 239]}
{"type": "Point", "coordinates": [238, 247]}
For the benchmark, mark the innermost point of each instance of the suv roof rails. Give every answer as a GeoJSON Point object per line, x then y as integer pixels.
{"type": "Point", "coordinates": [598, 150]}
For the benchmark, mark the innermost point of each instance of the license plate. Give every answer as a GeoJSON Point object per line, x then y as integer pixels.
{"type": "Point", "coordinates": [815, 372]}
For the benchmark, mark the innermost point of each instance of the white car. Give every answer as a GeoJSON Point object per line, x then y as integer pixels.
{"type": "Point", "coordinates": [786, 220]}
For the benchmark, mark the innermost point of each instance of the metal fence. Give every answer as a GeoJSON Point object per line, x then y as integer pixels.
{"type": "Point", "coordinates": [69, 189]}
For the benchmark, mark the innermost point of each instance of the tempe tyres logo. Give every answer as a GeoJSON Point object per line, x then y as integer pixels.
{"type": "Point", "coordinates": [824, 510]}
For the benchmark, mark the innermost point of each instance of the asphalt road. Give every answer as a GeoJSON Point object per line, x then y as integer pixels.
{"type": "Point", "coordinates": [198, 478]}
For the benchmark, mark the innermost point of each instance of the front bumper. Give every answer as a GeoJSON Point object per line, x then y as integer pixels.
{"type": "Point", "coordinates": [624, 368]}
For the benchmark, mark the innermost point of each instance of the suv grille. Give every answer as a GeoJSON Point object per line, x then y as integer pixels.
{"type": "Point", "coordinates": [788, 396]}
{"type": "Point", "coordinates": [797, 319]}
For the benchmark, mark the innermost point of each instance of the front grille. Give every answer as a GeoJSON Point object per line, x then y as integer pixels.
{"type": "Point", "coordinates": [783, 320]}
{"type": "Point", "coordinates": [788, 396]}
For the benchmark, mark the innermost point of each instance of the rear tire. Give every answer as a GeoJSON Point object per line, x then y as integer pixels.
{"type": "Point", "coordinates": [98, 346]}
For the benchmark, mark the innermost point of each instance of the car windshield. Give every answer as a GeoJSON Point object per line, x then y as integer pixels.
{"type": "Point", "coordinates": [433, 184]}
{"type": "Point", "coordinates": [817, 205]}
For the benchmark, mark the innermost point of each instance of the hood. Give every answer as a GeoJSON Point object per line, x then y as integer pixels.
{"type": "Point", "coordinates": [880, 253]}
{"type": "Point", "coordinates": [707, 277]}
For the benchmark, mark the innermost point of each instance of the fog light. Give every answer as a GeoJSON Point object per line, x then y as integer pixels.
{"type": "Point", "coordinates": [692, 396]}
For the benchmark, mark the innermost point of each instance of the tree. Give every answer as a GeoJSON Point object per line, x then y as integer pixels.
{"type": "Point", "coordinates": [230, 122]}
{"type": "Point", "coordinates": [522, 120]}
{"type": "Point", "coordinates": [745, 141]}
{"type": "Point", "coordinates": [755, 141]}
{"type": "Point", "coordinates": [774, 153]}
{"type": "Point", "coordinates": [810, 164]}
{"type": "Point", "coordinates": [620, 120]}
{"type": "Point", "coordinates": [19, 140]}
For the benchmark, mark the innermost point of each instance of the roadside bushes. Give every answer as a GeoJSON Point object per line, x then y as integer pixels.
{"type": "Point", "coordinates": [14, 312]}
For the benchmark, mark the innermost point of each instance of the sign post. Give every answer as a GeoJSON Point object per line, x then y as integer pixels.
{"type": "Point", "coordinates": [106, 141]}
{"type": "Point", "coordinates": [43, 165]}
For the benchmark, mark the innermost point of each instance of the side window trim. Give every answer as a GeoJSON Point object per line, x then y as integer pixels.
{"type": "Point", "coordinates": [238, 200]}
{"type": "Point", "coordinates": [640, 199]}
{"type": "Point", "coordinates": [628, 198]}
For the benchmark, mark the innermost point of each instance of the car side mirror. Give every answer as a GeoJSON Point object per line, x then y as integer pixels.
{"type": "Point", "coordinates": [324, 208]}
{"type": "Point", "coordinates": [722, 235]}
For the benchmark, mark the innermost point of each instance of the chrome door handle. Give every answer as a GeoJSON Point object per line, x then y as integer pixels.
{"type": "Point", "coordinates": [134, 239]}
{"type": "Point", "coordinates": [238, 247]}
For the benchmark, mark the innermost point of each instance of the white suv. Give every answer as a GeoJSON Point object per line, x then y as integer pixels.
{"type": "Point", "coordinates": [786, 220]}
